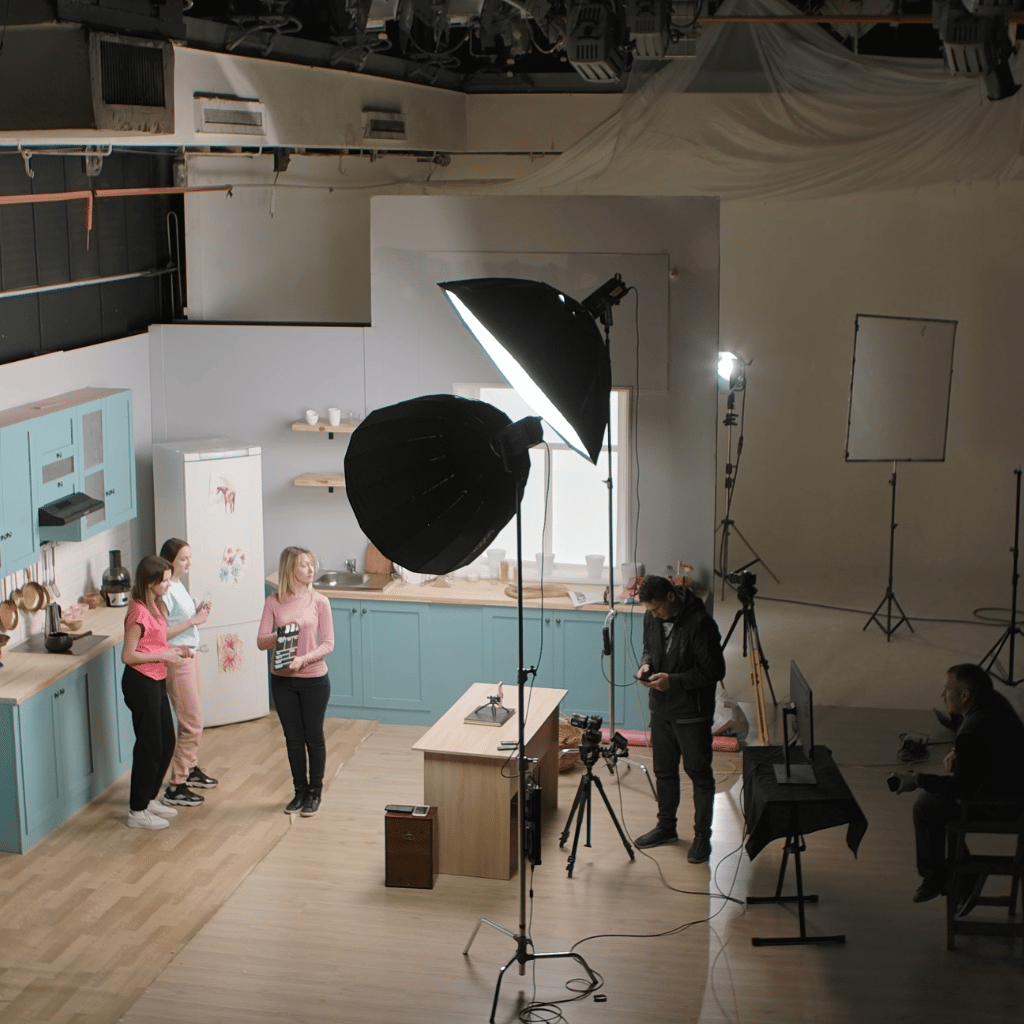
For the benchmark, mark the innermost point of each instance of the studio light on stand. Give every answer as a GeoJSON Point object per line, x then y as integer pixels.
{"type": "Point", "coordinates": [432, 481]}
{"type": "Point", "coordinates": [548, 347]}
{"type": "Point", "coordinates": [732, 380]}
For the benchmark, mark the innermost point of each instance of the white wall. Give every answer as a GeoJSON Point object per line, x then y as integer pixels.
{"type": "Point", "coordinates": [794, 277]}
{"type": "Point", "coordinates": [114, 364]}
{"type": "Point", "coordinates": [251, 382]}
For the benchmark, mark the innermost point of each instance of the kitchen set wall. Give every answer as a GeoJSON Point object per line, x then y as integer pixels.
{"type": "Point", "coordinates": [121, 364]}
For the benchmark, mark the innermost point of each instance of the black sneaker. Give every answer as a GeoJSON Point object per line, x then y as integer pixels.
{"type": "Point", "coordinates": [928, 890]}
{"type": "Point", "coordinates": [180, 796]}
{"type": "Point", "coordinates": [296, 802]}
{"type": "Point", "coordinates": [700, 850]}
{"type": "Point", "coordinates": [658, 836]}
{"type": "Point", "coordinates": [199, 779]}
{"type": "Point", "coordinates": [311, 804]}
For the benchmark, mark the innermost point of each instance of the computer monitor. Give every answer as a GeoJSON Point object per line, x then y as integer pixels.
{"type": "Point", "coordinates": [801, 707]}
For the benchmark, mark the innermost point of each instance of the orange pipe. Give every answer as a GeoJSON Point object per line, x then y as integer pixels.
{"type": "Point", "coordinates": [821, 19]}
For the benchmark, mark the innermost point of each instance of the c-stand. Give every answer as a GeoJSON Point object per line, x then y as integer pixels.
{"type": "Point", "coordinates": [745, 591]}
{"type": "Point", "coordinates": [590, 750]}
{"type": "Point", "coordinates": [1011, 631]}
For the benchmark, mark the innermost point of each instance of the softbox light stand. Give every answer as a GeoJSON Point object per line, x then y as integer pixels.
{"type": "Point", "coordinates": [525, 952]}
{"type": "Point", "coordinates": [889, 599]}
{"type": "Point", "coordinates": [1012, 630]}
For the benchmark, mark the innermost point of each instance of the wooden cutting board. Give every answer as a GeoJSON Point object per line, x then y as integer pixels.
{"type": "Point", "coordinates": [376, 562]}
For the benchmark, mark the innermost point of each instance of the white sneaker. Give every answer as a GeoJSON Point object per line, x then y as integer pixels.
{"type": "Point", "coordinates": [155, 807]}
{"type": "Point", "coordinates": [146, 819]}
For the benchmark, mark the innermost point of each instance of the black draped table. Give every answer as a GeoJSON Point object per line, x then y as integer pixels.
{"type": "Point", "coordinates": [774, 810]}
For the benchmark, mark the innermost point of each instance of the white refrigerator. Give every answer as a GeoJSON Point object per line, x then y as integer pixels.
{"type": "Point", "coordinates": [210, 494]}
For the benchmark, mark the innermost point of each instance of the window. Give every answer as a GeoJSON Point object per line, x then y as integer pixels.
{"type": "Point", "coordinates": [576, 524]}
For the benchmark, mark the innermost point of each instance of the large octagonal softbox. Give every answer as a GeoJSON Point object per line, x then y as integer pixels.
{"type": "Point", "coordinates": [428, 482]}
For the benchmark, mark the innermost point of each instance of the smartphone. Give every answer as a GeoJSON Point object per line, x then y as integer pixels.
{"type": "Point", "coordinates": [420, 811]}
{"type": "Point", "coordinates": [400, 808]}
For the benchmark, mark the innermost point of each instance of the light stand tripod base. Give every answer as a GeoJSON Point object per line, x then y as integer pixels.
{"type": "Point", "coordinates": [888, 628]}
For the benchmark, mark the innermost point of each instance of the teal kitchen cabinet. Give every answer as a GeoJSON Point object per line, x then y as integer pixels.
{"type": "Point", "coordinates": [60, 748]}
{"type": "Point", "coordinates": [19, 537]}
{"type": "Point", "coordinates": [56, 457]}
{"type": "Point", "coordinates": [453, 652]}
{"type": "Point", "coordinates": [56, 764]}
{"type": "Point", "coordinates": [105, 428]}
{"type": "Point", "coordinates": [377, 662]}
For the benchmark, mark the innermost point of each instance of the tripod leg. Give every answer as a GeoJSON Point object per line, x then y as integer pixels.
{"type": "Point", "coordinates": [615, 821]}
{"type": "Point", "coordinates": [572, 813]}
{"type": "Point", "coordinates": [755, 644]}
{"type": "Point", "coordinates": [584, 803]}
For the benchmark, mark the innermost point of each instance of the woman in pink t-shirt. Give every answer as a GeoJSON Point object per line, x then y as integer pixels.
{"type": "Point", "coordinates": [301, 689]}
{"type": "Point", "coordinates": [146, 656]}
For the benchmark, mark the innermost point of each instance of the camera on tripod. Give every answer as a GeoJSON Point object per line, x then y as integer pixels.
{"type": "Point", "coordinates": [744, 582]}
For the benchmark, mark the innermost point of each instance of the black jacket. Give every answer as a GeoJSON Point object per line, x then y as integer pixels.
{"type": "Point", "coordinates": [989, 749]}
{"type": "Point", "coordinates": [693, 660]}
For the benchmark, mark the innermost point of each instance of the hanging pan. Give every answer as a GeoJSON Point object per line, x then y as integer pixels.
{"type": "Point", "coordinates": [33, 595]}
{"type": "Point", "coordinates": [8, 611]}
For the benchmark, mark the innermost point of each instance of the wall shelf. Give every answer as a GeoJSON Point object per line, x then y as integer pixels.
{"type": "Point", "coordinates": [344, 427]}
{"type": "Point", "coordinates": [328, 480]}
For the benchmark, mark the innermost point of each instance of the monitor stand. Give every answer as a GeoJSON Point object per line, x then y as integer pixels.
{"type": "Point", "coordinates": [787, 774]}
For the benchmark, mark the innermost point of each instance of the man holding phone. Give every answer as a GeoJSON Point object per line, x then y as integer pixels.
{"type": "Point", "coordinates": [681, 666]}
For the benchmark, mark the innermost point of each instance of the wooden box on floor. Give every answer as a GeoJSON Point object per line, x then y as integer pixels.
{"type": "Point", "coordinates": [411, 850]}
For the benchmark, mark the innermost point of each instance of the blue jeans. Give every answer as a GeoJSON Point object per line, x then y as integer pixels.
{"type": "Point", "coordinates": [301, 705]}
{"type": "Point", "coordinates": [672, 741]}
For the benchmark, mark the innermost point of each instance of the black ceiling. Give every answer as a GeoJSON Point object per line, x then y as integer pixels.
{"type": "Point", "coordinates": [471, 45]}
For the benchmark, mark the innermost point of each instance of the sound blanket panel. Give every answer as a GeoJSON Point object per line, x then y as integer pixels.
{"type": "Point", "coordinates": [899, 389]}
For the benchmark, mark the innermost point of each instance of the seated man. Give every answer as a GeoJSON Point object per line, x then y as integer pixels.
{"type": "Point", "coordinates": [987, 760]}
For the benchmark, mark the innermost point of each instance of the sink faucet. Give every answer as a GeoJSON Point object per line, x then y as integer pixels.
{"type": "Point", "coordinates": [350, 564]}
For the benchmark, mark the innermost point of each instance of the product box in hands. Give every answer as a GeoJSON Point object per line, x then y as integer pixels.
{"type": "Point", "coordinates": [286, 646]}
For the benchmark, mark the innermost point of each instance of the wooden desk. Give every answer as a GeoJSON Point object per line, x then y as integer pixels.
{"type": "Point", "coordinates": [474, 785]}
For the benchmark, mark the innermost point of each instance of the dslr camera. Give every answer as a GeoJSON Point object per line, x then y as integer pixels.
{"type": "Point", "coordinates": [744, 582]}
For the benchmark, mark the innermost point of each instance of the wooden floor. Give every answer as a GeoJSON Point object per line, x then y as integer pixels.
{"type": "Point", "coordinates": [312, 935]}
{"type": "Point", "coordinates": [94, 912]}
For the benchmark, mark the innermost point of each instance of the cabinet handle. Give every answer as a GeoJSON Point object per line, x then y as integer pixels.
{"type": "Point", "coordinates": [546, 621]}
{"type": "Point", "coordinates": [558, 622]}
{"type": "Point", "coordinates": [364, 611]}
{"type": "Point", "coordinates": [353, 611]}
{"type": "Point", "coordinates": [62, 691]}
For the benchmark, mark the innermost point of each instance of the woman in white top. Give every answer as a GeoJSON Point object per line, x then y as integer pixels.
{"type": "Point", "coordinates": [183, 682]}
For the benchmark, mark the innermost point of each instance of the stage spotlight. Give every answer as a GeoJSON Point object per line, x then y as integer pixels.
{"type": "Point", "coordinates": [731, 372]}
{"type": "Point", "coordinates": [595, 43]}
{"type": "Point", "coordinates": [976, 41]}
{"type": "Point", "coordinates": [647, 22]}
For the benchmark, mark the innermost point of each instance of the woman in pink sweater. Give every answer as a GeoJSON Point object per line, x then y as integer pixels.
{"type": "Point", "coordinates": [301, 689]}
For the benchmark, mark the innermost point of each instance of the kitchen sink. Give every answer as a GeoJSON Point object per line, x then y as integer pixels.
{"type": "Point", "coordinates": [350, 581]}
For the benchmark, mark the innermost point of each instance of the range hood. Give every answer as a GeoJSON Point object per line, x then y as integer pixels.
{"type": "Point", "coordinates": [67, 510]}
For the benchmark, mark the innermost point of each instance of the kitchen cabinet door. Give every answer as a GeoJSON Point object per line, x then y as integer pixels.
{"type": "Point", "coordinates": [120, 493]}
{"type": "Point", "coordinates": [41, 789]}
{"type": "Point", "coordinates": [110, 721]}
{"type": "Point", "coordinates": [56, 457]}
{"type": "Point", "coordinates": [19, 534]}
{"type": "Point", "coordinates": [344, 664]}
{"type": "Point", "coordinates": [453, 653]}
{"type": "Point", "coordinates": [391, 637]}
{"type": "Point", "coordinates": [501, 646]}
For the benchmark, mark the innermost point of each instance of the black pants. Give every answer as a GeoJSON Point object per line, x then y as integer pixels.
{"type": "Point", "coordinates": [301, 705]}
{"type": "Point", "coordinates": [154, 735]}
{"type": "Point", "coordinates": [692, 743]}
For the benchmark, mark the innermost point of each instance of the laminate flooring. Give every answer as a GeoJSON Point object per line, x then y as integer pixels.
{"type": "Point", "coordinates": [313, 936]}
{"type": "Point", "coordinates": [95, 911]}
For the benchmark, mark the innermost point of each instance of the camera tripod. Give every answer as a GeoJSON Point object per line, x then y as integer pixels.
{"type": "Point", "coordinates": [752, 646]}
{"type": "Point", "coordinates": [589, 755]}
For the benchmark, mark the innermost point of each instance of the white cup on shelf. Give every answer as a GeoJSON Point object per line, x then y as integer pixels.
{"type": "Point", "coordinates": [494, 557]}
{"type": "Point", "coordinates": [312, 416]}
{"type": "Point", "coordinates": [334, 416]}
{"type": "Point", "coordinates": [595, 566]}
{"type": "Point", "coordinates": [545, 561]}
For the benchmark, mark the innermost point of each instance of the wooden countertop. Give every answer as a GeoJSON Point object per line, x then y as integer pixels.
{"type": "Point", "coordinates": [453, 735]}
{"type": "Point", "coordinates": [24, 673]}
{"type": "Point", "coordinates": [480, 592]}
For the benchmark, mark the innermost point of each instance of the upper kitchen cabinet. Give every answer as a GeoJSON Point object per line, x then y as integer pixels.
{"type": "Point", "coordinates": [105, 427]}
{"type": "Point", "coordinates": [81, 451]}
{"type": "Point", "coordinates": [19, 542]}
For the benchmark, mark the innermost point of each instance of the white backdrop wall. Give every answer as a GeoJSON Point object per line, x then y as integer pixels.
{"type": "Point", "coordinates": [794, 277]}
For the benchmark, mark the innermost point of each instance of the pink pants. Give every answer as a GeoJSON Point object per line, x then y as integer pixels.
{"type": "Point", "coordinates": [186, 693]}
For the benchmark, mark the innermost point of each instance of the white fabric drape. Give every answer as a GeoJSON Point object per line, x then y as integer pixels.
{"type": "Point", "coordinates": [830, 123]}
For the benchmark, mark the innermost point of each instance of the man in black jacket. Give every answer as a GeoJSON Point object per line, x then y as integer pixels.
{"type": "Point", "coordinates": [681, 666]}
{"type": "Point", "coordinates": [987, 761]}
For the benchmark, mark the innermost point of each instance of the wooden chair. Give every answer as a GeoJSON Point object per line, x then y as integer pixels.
{"type": "Point", "coordinates": [979, 819]}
